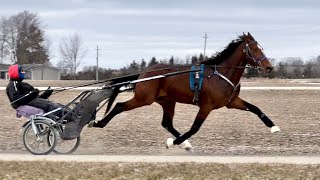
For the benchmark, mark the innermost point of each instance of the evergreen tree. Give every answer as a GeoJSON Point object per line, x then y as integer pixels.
{"type": "Point", "coordinates": [171, 61]}
{"type": "Point", "coordinates": [201, 58]}
{"type": "Point", "coordinates": [134, 67]}
{"type": "Point", "coordinates": [30, 39]}
{"type": "Point", "coordinates": [194, 59]}
{"type": "Point", "coordinates": [153, 61]}
{"type": "Point", "coordinates": [143, 64]}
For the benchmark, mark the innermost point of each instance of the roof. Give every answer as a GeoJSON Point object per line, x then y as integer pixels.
{"type": "Point", "coordinates": [30, 67]}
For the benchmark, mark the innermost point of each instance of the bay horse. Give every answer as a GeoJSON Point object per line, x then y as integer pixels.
{"type": "Point", "coordinates": [221, 87]}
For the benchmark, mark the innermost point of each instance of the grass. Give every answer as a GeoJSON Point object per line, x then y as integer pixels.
{"type": "Point", "coordinates": [150, 171]}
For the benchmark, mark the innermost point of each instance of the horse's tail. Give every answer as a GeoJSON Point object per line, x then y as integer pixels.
{"type": "Point", "coordinates": [116, 89]}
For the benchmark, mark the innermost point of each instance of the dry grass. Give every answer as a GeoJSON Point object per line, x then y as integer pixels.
{"type": "Point", "coordinates": [70, 171]}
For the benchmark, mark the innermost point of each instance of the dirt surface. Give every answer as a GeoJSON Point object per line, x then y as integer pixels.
{"type": "Point", "coordinates": [138, 133]}
{"type": "Point", "coordinates": [225, 132]}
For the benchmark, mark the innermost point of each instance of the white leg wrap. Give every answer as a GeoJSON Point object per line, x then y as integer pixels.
{"type": "Point", "coordinates": [186, 145]}
{"type": "Point", "coordinates": [275, 129]}
{"type": "Point", "coordinates": [169, 143]}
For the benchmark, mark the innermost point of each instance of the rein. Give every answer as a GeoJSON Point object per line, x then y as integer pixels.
{"type": "Point", "coordinates": [58, 90]}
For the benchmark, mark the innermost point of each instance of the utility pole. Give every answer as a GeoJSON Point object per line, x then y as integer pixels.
{"type": "Point", "coordinates": [205, 45]}
{"type": "Point", "coordinates": [97, 68]}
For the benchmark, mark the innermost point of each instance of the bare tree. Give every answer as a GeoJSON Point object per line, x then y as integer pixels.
{"type": "Point", "coordinates": [72, 52]}
{"type": "Point", "coordinates": [3, 38]}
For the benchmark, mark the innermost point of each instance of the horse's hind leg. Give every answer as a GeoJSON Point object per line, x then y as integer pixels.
{"type": "Point", "coordinates": [168, 113]}
{"type": "Point", "coordinates": [239, 103]}
{"type": "Point", "coordinates": [120, 107]}
{"type": "Point", "coordinates": [168, 107]}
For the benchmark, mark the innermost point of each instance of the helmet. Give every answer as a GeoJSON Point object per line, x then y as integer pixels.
{"type": "Point", "coordinates": [16, 72]}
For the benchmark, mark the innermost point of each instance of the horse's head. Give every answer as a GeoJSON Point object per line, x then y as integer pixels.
{"type": "Point", "coordinates": [254, 54]}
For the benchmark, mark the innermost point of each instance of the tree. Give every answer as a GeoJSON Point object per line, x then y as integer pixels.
{"type": "Point", "coordinates": [201, 58]}
{"type": "Point", "coordinates": [153, 61]}
{"type": "Point", "coordinates": [307, 73]}
{"type": "Point", "coordinates": [171, 61]}
{"type": "Point", "coordinates": [252, 72]}
{"type": "Point", "coordinates": [133, 67]}
{"type": "Point", "coordinates": [71, 52]}
{"type": "Point", "coordinates": [22, 39]}
{"type": "Point", "coordinates": [143, 64]}
{"type": "Point", "coordinates": [194, 59]}
{"type": "Point", "coordinates": [3, 36]}
{"type": "Point", "coordinates": [282, 70]}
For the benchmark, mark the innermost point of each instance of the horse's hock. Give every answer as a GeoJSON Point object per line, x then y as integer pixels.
{"type": "Point", "coordinates": [84, 111]}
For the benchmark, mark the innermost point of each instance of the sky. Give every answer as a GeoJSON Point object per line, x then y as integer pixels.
{"type": "Point", "coordinates": [127, 30]}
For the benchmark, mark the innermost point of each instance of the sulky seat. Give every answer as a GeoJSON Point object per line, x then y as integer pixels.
{"type": "Point", "coordinates": [27, 111]}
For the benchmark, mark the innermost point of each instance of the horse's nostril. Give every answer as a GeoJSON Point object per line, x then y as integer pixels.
{"type": "Point", "coordinates": [269, 69]}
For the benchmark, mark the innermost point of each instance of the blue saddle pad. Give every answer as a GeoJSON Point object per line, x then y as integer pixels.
{"type": "Point", "coordinates": [193, 75]}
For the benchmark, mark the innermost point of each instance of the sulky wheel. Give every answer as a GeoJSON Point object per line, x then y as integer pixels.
{"type": "Point", "coordinates": [64, 146]}
{"type": "Point", "coordinates": [36, 135]}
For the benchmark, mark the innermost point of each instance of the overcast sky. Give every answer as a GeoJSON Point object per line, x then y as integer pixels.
{"type": "Point", "coordinates": [136, 29]}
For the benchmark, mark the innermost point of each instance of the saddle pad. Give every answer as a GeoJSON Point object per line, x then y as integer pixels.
{"type": "Point", "coordinates": [193, 75]}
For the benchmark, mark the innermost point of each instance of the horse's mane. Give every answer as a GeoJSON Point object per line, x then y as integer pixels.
{"type": "Point", "coordinates": [219, 57]}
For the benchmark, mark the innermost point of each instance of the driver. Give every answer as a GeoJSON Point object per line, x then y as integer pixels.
{"type": "Point", "coordinates": [21, 93]}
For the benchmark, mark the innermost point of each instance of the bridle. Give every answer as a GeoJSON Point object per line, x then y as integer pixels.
{"type": "Point", "coordinates": [250, 60]}
{"type": "Point", "coordinates": [249, 56]}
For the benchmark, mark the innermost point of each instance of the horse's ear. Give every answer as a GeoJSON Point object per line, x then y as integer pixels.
{"type": "Point", "coordinates": [250, 35]}
{"type": "Point", "coordinates": [245, 37]}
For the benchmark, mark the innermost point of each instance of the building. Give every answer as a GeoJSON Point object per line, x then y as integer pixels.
{"type": "Point", "coordinates": [34, 72]}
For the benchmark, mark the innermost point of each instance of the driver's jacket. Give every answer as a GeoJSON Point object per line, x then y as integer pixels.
{"type": "Point", "coordinates": [17, 91]}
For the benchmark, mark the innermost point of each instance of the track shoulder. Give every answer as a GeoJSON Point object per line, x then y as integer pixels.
{"type": "Point", "coordinates": [164, 159]}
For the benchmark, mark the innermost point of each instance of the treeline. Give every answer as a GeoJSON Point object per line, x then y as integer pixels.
{"type": "Point", "coordinates": [289, 68]}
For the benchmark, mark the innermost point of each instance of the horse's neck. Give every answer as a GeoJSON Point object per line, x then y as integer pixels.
{"type": "Point", "coordinates": [237, 59]}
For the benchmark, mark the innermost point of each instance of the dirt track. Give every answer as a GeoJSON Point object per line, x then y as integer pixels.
{"type": "Point", "coordinates": [132, 146]}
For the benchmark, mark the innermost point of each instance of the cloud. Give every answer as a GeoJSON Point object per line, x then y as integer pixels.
{"type": "Point", "coordinates": [143, 28]}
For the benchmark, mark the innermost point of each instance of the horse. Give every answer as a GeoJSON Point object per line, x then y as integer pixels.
{"type": "Point", "coordinates": [221, 87]}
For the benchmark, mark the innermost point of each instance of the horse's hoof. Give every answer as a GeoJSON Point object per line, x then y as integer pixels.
{"type": "Point", "coordinates": [189, 149]}
{"type": "Point", "coordinates": [187, 146]}
{"type": "Point", "coordinates": [169, 143]}
{"type": "Point", "coordinates": [275, 129]}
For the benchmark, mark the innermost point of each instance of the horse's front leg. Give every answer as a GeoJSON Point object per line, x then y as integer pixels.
{"type": "Point", "coordinates": [239, 103]}
{"type": "Point", "coordinates": [201, 117]}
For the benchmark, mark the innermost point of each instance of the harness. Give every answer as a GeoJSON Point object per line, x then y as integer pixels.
{"type": "Point", "coordinates": [196, 79]}
{"type": "Point", "coordinates": [249, 57]}
{"type": "Point", "coordinates": [235, 87]}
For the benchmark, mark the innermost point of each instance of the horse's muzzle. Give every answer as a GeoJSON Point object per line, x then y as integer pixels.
{"type": "Point", "coordinates": [269, 69]}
